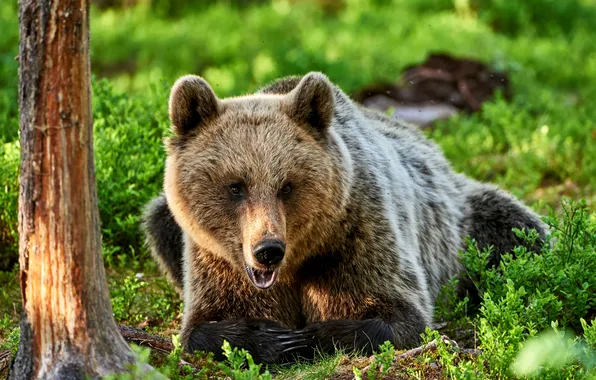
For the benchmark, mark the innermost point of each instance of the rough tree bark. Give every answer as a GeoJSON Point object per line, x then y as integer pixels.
{"type": "Point", "coordinates": [67, 328]}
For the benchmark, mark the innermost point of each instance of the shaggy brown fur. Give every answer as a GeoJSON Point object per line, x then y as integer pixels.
{"type": "Point", "coordinates": [309, 223]}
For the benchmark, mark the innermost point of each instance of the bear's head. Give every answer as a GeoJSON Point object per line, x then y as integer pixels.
{"type": "Point", "coordinates": [255, 179]}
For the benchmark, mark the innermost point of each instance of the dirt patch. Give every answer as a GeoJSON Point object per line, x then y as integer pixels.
{"type": "Point", "coordinates": [436, 89]}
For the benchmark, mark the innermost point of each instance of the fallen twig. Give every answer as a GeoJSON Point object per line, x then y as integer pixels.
{"type": "Point", "coordinates": [427, 347]}
{"type": "Point", "coordinates": [470, 351]}
{"type": "Point", "coordinates": [142, 338]}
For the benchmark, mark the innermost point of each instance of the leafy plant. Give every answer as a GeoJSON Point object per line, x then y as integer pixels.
{"type": "Point", "coordinates": [236, 360]}
{"type": "Point", "coordinates": [529, 292]}
{"type": "Point", "coordinates": [123, 297]}
{"type": "Point", "coordinates": [11, 333]}
{"type": "Point", "coordinates": [385, 357]}
{"type": "Point", "coordinates": [136, 298]}
{"type": "Point", "coordinates": [554, 353]}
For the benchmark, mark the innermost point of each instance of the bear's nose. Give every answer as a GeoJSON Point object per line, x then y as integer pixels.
{"type": "Point", "coordinates": [269, 252]}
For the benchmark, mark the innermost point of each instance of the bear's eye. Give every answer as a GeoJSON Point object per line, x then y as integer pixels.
{"type": "Point", "coordinates": [286, 189]}
{"type": "Point", "coordinates": [236, 190]}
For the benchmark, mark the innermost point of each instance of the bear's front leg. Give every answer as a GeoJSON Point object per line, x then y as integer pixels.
{"type": "Point", "coordinates": [359, 322]}
{"type": "Point", "coordinates": [359, 336]}
{"type": "Point", "coordinates": [266, 340]}
{"type": "Point", "coordinates": [244, 316]}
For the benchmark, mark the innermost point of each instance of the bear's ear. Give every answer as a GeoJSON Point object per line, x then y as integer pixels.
{"type": "Point", "coordinates": [192, 103]}
{"type": "Point", "coordinates": [311, 102]}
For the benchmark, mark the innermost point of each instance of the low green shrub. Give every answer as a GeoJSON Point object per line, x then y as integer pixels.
{"type": "Point", "coordinates": [379, 366]}
{"type": "Point", "coordinates": [535, 16]}
{"type": "Point", "coordinates": [9, 193]}
{"type": "Point", "coordinates": [530, 294]}
{"type": "Point", "coordinates": [9, 38]}
{"type": "Point", "coordinates": [128, 136]}
{"type": "Point", "coordinates": [527, 151]}
{"type": "Point", "coordinates": [556, 354]}
{"type": "Point", "coordinates": [144, 299]}
{"type": "Point", "coordinates": [8, 330]}
{"type": "Point", "coordinates": [239, 365]}
{"type": "Point", "coordinates": [129, 160]}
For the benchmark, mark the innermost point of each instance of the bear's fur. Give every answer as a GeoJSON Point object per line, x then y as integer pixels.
{"type": "Point", "coordinates": [370, 212]}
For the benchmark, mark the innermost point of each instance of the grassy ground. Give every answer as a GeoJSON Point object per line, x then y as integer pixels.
{"type": "Point", "coordinates": [541, 146]}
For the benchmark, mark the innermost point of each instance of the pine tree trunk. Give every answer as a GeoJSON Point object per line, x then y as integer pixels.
{"type": "Point", "coordinates": [67, 328]}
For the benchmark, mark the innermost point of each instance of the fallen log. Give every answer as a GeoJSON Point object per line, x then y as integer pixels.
{"type": "Point", "coordinates": [144, 339]}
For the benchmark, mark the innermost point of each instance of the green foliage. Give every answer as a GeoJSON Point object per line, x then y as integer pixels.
{"type": "Point", "coordinates": [176, 368]}
{"type": "Point", "coordinates": [554, 285]}
{"type": "Point", "coordinates": [525, 294]}
{"type": "Point", "coordinates": [236, 360]}
{"type": "Point", "coordinates": [385, 357]}
{"type": "Point", "coordinates": [136, 299]}
{"type": "Point", "coordinates": [123, 297]}
{"type": "Point", "coordinates": [524, 300]}
{"type": "Point", "coordinates": [380, 364]}
{"type": "Point", "coordinates": [524, 148]}
{"type": "Point", "coordinates": [9, 192]}
{"type": "Point", "coordinates": [536, 16]}
{"type": "Point", "coordinates": [10, 300]}
{"type": "Point", "coordinates": [170, 369]}
{"type": "Point", "coordinates": [128, 136]}
{"type": "Point", "coordinates": [589, 332]}
{"type": "Point", "coordinates": [9, 340]}
{"type": "Point", "coordinates": [554, 354]}
{"type": "Point", "coordinates": [11, 333]}
{"type": "Point", "coordinates": [448, 357]}
{"type": "Point", "coordinates": [129, 163]}
{"type": "Point", "coordinates": [239, 366]}
{"type": "Point", "coordinates": [138, 370]}
{"type": "Point", "coordinates": [450, 305]}
{"type": "Point", "coordinates": [8, 79]}
{"type": "Point", "coordinates": [323, 368]}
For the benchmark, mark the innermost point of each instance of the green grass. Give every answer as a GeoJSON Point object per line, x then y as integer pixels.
{"type": "Point", "coordinates": [541, 146]}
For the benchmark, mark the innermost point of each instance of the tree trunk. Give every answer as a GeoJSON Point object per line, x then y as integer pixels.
{"type": "Point", "coordinates": [67, 328]}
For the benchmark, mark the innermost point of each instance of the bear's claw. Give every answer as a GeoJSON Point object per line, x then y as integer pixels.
{"type": "Point", "coordinates": [277, 330]}
{"type": "Point", "coordinates": [289, 349]}
{"type": "Point", "coordinates": [293, 341]}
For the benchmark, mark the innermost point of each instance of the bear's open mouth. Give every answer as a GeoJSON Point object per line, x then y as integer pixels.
{"type": "Point", "coordinates": [262, 278]}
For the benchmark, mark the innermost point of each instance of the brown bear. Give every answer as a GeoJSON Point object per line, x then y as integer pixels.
{"type": "Point", "coordinates": [295, 221]}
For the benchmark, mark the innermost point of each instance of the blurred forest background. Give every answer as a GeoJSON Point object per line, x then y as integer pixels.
{"type": "Point", "coordinates": [537, 141]}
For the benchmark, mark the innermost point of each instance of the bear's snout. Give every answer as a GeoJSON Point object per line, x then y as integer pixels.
{"type": "Point", "coordinates": [269, 252]}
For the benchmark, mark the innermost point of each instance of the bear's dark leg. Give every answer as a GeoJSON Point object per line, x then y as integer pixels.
{"type": "Point", "coordinates": [396, 321]}
{"type": "Point", "coordinates": [401, 325]}
{"type": "Point", "coordinates": [362, 337]}
{"type": "Point", "coordinates": [491, 216]}
{"type": "Point", "coordinates": [265, 340]}
{"type": "Point", "coordinates": [270, 343]}
{"type": "Point", "coordinates": [164, 237]}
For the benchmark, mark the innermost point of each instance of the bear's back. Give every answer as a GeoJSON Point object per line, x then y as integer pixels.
{"type": "Point", "coordinates": [401, 183]}
{"type": "Point", "coordinates": [405, 177]}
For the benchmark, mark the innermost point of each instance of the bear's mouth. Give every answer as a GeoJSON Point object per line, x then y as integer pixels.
{"type": "Point", "coordinates": [262, 278]}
